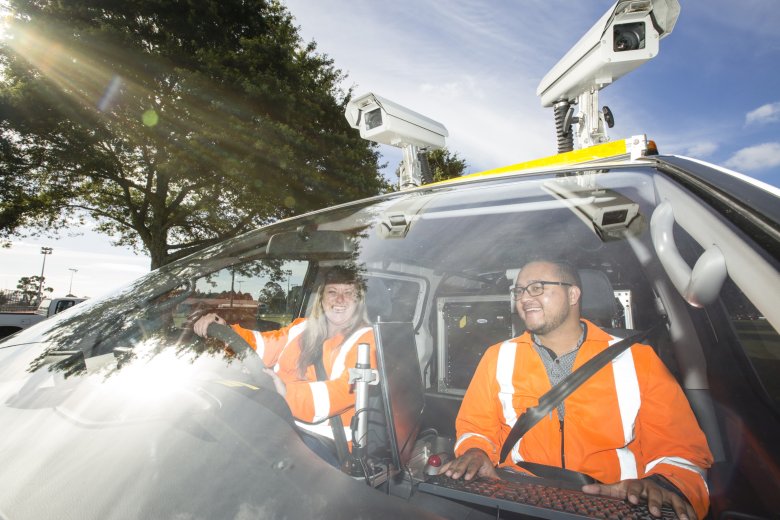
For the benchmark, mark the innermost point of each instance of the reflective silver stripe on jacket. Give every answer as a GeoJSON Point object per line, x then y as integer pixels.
{"type": "Point", "coordinates": [680, 463]}
{"type": "Point", "coordinates": [505, 368]}
{"type": "Point", "coordinates": [293, 333]}
{"type": "Point", "coordinates": [338, 364]}
{"type": "Point", "coordinates": [322, 428]}
{"type": "Point", "coordinates": [319, 392]}
{"type": "Point", "coordinates": [319, 389]}
{"type": "Point", "coordinates": [468, 436]}
{"type": "Point", "coordinates": [629, 401]}
{"type": "Point", "coordinates": [259, 343]}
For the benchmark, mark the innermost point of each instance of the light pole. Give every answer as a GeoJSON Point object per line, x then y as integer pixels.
{"type": "Point", "coordinates": [44, 251]}
{"type": "Point", "coordinates": [72, 272]}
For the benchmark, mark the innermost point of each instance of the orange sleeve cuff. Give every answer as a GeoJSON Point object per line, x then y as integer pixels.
{"type": "Point", "coordinates": [690, 483]}
{"type": "Point", "coordinates": [481, 443]}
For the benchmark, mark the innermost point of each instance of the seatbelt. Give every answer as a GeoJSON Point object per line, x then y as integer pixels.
{"type": "Point", "coordinates": [553, 397]}
{"type": "Point", "coordinates": [339, 438]}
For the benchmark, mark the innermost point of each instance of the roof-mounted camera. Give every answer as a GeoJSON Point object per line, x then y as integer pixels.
{"type": "Point", "coordinates": [606, 211]}
{"type": "Point", "coordinates": [383, 121]}
{"type": "Point", "coordinates": [624, 38]}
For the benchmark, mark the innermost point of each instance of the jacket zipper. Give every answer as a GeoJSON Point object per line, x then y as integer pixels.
{"type": "Point", "coordinates": [563, 457]}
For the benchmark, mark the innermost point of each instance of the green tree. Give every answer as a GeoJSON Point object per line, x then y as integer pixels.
{"type": "Point", "coordinates": [441, 165]}
{"type": "Point", "coordinates": [28, 287]}
{"type": "Point", "coordinates": [172, 124]}
{"type": "Point", "coordinates": [445, 165]}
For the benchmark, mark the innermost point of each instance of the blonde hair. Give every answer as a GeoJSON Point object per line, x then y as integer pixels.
{"type": "Point", "coordinates": [316, 331]}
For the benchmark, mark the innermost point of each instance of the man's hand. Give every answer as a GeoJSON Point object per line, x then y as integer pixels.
{"type": "Point", "coordinates": [639, 490]}
{"type": "Point", "coordinates": [474, 462]}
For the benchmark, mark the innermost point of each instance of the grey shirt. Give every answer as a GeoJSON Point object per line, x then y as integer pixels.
{"type": "Point", "coordinates": [558, 367]}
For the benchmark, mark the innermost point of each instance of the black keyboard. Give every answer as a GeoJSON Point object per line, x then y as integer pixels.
{"type": "Point", "coordinates": [541, 501]}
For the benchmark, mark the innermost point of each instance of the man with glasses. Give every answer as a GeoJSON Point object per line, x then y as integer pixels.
{"type": "Point", "coordinates": [629, 426]}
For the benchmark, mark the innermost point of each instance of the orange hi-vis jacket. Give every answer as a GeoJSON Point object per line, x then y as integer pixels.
{"type": "Point", "coordinates": [628, 421]}
{"type": "Point", "coordinates": [313, 402]}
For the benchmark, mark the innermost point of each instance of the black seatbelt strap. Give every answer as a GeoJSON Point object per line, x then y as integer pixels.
{"type": "Point", "coordinates": [553, 397]}
{"type": "Point", "coordinates": [339, 437]}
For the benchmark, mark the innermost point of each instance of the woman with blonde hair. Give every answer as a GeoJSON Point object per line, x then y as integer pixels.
{"type": "Point", "coordinates": [329, 336]}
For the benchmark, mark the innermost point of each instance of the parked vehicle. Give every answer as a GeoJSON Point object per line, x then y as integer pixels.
{"type": "Point", "coordinates": [12, 322]}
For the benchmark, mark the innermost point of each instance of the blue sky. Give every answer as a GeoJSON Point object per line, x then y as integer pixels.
{"type": "Point", "coordinates": [713, 92]}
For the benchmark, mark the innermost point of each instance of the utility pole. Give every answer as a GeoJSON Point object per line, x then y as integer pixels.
{"type": "Point", "coordinates": [72, 272]}
{"type": "Point", "coordinates": [232, 286]}
{"type": "Point", "coordinates": [44, 251]}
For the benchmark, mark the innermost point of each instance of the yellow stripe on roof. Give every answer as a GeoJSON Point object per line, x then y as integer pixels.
{"type": "Point", "coordinates": [592, 153]}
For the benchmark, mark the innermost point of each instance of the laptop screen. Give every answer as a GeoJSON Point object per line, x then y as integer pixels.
{"type": "Point", "coordinates": [401, 387]}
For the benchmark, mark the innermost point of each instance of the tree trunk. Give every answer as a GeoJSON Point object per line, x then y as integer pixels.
{"type": "Point", "coordinates": [158, 248]}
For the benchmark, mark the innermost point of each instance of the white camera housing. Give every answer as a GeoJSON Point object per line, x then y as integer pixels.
{"type": "Point", "coordinates": [383, 121]}
{"type": "Point", "coordinates": [604, 209]}
{"type": "Point", "coordinates": [623, 39]}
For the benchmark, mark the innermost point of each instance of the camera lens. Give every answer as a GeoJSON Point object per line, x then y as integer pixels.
{"type": "Point", "coordinates": [373, 118]}
{"type": "Point", "coordinates": [629, 37]}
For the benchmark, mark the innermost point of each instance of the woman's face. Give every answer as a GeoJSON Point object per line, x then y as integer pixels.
{"type": "Point", "coordinates": [339, 302]}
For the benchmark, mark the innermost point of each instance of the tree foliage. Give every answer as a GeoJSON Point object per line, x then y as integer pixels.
{"type": "Point", "coordinates": [441, 165]}
{"type": "Point", "coordinates": [172, 124]}
{"type": "Point", "coordinates": [28, 287]}
{"type": "Point", "coordinates": [445, 165]}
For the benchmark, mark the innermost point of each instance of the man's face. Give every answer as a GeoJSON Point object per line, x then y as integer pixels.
{"type": "Point", "coordinates": [339, 302]}
{"type": "Point", "coordinates": [546, 312]}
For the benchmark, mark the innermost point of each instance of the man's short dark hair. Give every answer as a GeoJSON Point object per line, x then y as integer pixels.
{"type": "Point", "coordinates": [567, 272]}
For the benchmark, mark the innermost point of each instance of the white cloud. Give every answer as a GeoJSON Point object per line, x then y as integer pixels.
{"type": "Point", "coordinates": [768, 113]}
{"type": "Point", "coordinates": [701, 149]}
{"type": "Point", "coordinates": [454, 90]}
{"type": "Point", "coordinates": [758, 157]}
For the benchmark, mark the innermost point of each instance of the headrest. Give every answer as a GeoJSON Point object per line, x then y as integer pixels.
{"type": "Point", "coordinates": [598, 298]}
{"type": "Point", "coordinates": [378, 300]}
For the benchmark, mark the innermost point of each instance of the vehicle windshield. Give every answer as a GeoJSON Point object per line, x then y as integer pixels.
{"type": "Point", "coordinates": [43, 307]}
{"type": "Point", "coordinates": [466, 240]}
{"type": "Point", "coordinates": [127, 374]}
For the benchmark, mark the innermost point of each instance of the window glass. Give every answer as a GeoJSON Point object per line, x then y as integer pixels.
{"type": "Point", "coordinates": [259, 295]}
{"type": "Point", "coordinates": [760, 341]}
{"type": "Point", "coordinates": [393, 299]}
{"type": "Point", "coordinates": [64, 304]}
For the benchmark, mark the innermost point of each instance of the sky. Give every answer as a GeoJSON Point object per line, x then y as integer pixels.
{"type": "Point", "coordinates": [713, 92]}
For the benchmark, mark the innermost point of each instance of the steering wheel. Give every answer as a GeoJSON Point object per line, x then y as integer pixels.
{"type": "Point", "coordinates": [239, 345]}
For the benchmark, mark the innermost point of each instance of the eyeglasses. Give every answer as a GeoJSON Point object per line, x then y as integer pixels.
{"type": "Point", "coordinates": [534, 289]}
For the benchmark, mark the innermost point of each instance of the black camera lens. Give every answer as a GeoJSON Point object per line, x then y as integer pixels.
{"type": "Point", "coordinates": [628, 37]}
{"type": "Point", "coordinates": [373, 118]}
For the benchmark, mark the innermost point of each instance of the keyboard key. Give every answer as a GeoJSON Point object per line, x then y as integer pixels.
{"type": "Point", "coordinates": [539, 500]}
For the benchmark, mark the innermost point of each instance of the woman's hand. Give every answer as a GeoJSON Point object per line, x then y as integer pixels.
{"type": "Point", "coordinates": [279, 385]}
{"type": "Point", "coordinates": [201, 326]}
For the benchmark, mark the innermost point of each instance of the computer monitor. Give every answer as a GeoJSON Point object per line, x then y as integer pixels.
{"type": "Point", "coordinates": [401, 386]}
